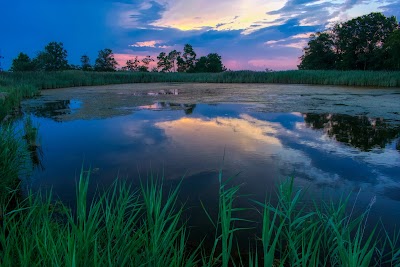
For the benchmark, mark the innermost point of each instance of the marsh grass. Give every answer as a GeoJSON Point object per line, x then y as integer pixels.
{"type": "Point", "coordinates": [31, 133]}
{"type": "Point", "coordinates": [13, 160]}
{"type": "Point", "coordinates": [125, 226]}
{"type": "Point", "coordinates": [16, 86]}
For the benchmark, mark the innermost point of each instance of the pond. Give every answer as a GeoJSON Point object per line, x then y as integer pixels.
{"type": "Point", "coordinates": [333, 140]}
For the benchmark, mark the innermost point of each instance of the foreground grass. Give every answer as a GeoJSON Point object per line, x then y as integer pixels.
{"type": "Point", "coordinates": [16, 86]}
{"type": "Point", "coordinates": [14, 156]}
{"type": "Point", "coordinates": [140, 227]}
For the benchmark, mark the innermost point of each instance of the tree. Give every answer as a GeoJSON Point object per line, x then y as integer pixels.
{"type": "Point", "coordinates": [392, 49]}
{"type": "Point", "coordinates": [189, 57]}
{"type": "Point", "coordinates": [22, 63]}
{"type": "Point", "coordinates": [187, 62]}
{"type": "Point", "coordinates": [105, 61]}
{"type": "Point", "coordinates": [132, 65]}
{"type": "Point", "coordinates": [164, 64]}
{"type": "Point", "coordinates": [85, 63]}
{"type": "Point", "coordinates": [319, 53]}
{"type": "Point", "coordinates": [173, 56]}
{"type": "Point", "coordinates": [180, 62]}
{"type": "Point", "coordinates": [53, 58]}
{"type": "Point", "coordinates": [211, 63]}
{"type": "Point", "coordinates": [355, 44]}
{"type": "Point", "coordinates": [146, 62]}
{"type": "Point", "coordinates": [360, 41]}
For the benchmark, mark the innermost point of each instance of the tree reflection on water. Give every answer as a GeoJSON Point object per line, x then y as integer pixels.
{"type": "Point", "coordinates": [52, 109]}
{"type": "Point", "coordinates": [358, 131]}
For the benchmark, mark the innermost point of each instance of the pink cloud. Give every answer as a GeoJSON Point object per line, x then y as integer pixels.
{"type": "Point", "coordinates": [232, 64]}
{"type": "Point", "coordinates": [281, 63]}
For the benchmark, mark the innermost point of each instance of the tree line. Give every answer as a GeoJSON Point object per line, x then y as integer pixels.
{"type": "Point", "coordinates": [54, 58]}
{"type": "Point", "coordinates": [369, 42]}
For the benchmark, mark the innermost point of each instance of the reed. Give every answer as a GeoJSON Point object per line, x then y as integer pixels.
{"type": "Point", "coordinates": [125, 226]}
{"type": "Point", "coordinates": [13, 160]}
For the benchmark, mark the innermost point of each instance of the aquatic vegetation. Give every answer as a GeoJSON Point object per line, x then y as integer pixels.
{"type": "Point", "coordinates": [144, 227]}
{"type": "Point", "coordinates": [19, 85]}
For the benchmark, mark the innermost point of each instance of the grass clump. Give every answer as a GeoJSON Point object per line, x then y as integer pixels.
{"type": "Point", "coordinates": [13, 159]}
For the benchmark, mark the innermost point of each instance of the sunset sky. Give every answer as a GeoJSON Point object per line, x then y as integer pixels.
{"type": "Point", "coordinates": [248, 34]}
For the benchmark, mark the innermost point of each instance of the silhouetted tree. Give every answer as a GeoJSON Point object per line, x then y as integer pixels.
{"type": "Point", "coordinates": [392, 48]}
{"type": "Point", "coordinates": [146, 62]}
{"type": "Point", "coordinates": [211, 63]}
{"type": "Point", "coordinates": [132, 65]}
{"type": "Point", "coordinates": [105, 61]}
{"type": "Point", "coordinates": [319, 54]}
{"type": "Point", "coordinates": [361, 39]}
{"type": "Point", "coordinates": [173, 56]}
{"type": "Point", "coordinates": [357, 44]}
{"type": "Point", "coordinates": [22, 63]}
{"type": "Point", "coordinates": [85, 63]}
{"type": "Point", "coordinates": [187, 62]}
{"type": "Point", "coordinates": [53, 58]}
{"type": "Point", "coordinates": [164, 64]}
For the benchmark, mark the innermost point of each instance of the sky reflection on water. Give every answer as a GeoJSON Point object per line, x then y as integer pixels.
{"type": "Point", "coordinates": [325, 152]}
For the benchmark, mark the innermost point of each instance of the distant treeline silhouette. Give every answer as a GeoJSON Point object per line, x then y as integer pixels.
{"type": "Point", "coordinates": [54, 58]}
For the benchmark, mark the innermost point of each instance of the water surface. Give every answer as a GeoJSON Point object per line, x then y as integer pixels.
{"type": "Point", "coordinates": [333, 140]}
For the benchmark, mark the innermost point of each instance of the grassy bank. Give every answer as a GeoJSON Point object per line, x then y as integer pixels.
{"type": "Point", "coordinates": [49, 80]}
{"type": "Point", "coordinates": [16, 86]}
{"type": "Point", "coordinates": [139, 227]}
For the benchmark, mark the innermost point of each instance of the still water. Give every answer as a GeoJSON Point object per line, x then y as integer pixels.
{"type": "Point", "coordinates": [126, 133]}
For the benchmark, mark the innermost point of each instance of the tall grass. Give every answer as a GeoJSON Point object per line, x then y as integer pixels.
{"type": "Point", "coordinates": [120, 227]}
{"type": "Point", "coordinates": [13, 160]}
{"type": "Point", "coordinates": [126, 226]}
{"type": "Point", "coordinates": [50, 80]}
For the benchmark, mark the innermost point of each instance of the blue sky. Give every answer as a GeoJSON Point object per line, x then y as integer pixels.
{"type": "Point", "coordinates": [248, 34]}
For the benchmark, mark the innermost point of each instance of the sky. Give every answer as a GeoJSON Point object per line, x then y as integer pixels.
{"type": "Point", "coordinates": [248, 34]}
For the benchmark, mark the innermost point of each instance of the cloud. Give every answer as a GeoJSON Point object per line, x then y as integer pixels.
{"type": "Point", "coordinates": [217, 15]}
{"type": "Point", "coordinates": [151, 44]}
{"type": "Point", "coordinates": [239, 30]}
{"type": "Point", "coordinates": [136, 14]}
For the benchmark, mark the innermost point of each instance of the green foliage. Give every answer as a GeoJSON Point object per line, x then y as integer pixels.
{"type": "Point", "coordinates": [53, 58]}
{"type": "Point", "coordinates": [224, 225]}
{"type": "Point", "coordinates": [187, 62]}
{"type": "Point", "coordinates": [173, 56]}
{"type": "Point", "coordinates": [132, 65]}
{"type": "Point", "coordinates": [22, 63]}
{"type": "Point", "coordinates": [357, 44]}
{"type": "Point", "coordinates": [105, 61]}
{"type": "Point", "coordinates": [319, 54]}
{"type": "Point", "coordinates": [120, 227]}
{"type": "Point", "coordinates": [13, 159]}
{"type": "Point", "coordinates": [146, 62]}
{"type": "Point", "coordinates": [164, 63]}
{"type": "Point", "coordinates": [211, 63]}
{"type": "Point", "coordinates": [123, 226]}
{"type": "Point", "coordinates": [392, 48]}
{"type": "Point", "coordinates": [85, 63]}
